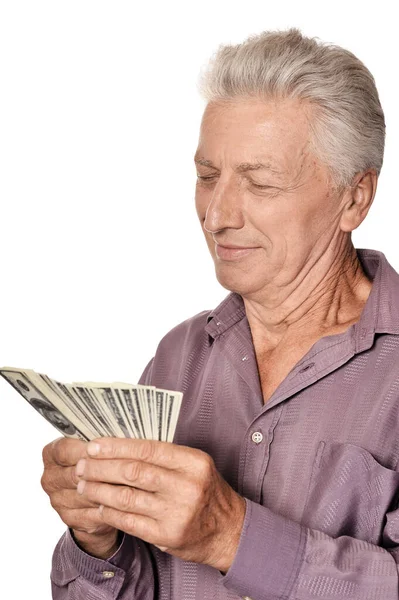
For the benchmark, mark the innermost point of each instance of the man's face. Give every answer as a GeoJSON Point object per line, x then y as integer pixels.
{"type": "Point", "coordinates": [294, 217]}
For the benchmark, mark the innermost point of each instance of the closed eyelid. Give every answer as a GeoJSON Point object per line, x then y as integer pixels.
{"type": "Point", "coordinates": [260, 185]}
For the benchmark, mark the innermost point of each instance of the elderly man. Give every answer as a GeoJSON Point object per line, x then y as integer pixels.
{"type": "Point", "coordinates": [282, 482]}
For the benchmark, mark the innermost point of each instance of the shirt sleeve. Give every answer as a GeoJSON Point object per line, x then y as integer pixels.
{"type": "Point", "coordinates": [128, 574]}
{"type": "Point", "coordinates": [279, 559]}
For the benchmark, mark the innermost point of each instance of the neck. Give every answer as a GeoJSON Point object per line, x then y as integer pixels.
{"type": "Point", "coordinates": [326, 300]}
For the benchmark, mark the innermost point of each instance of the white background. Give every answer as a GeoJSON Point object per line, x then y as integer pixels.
{"type": "Point", "coordinates": [100, 249]}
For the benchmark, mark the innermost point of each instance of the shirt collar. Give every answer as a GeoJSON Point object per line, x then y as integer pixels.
{"type": "Point", "coordinates": [380, 313]}
{"type": "Point", "coordinates": [230, 311]}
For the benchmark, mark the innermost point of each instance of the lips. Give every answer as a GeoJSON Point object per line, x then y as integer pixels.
{"type": "Point", "coordinates": [232, 253]}
{"type": "Point", "coordinates": [235, 247]}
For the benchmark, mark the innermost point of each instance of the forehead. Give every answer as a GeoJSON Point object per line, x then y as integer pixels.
{"type": "Point", "coordinates": [276, 131]}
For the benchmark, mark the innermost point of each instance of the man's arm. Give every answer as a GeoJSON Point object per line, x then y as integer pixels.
{"type": "Point", "coordinates": [278, 558]}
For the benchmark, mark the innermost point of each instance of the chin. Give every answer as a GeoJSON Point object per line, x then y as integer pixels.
{"type": "Point", "coordinates": [235, 282]}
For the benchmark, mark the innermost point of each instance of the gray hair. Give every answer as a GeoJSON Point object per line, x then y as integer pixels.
{"type": "Point", "coordinates": [348, 125]}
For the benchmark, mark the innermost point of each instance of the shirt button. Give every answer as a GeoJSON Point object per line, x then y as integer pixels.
{"type": "Point", "coordinates": [256, 437]}
{"type": "Point", "coordinates": [246, 598]}
{"type": "Point", "coordinates": [108, 574]}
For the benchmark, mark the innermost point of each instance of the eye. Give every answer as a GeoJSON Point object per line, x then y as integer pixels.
{"type": "Point", "coordinates": [262, 187]}
{"type": "Point", "coordinates": [208, 178]}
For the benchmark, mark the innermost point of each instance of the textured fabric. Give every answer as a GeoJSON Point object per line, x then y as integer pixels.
{"type": "Point", "coordinates": [321, 485]}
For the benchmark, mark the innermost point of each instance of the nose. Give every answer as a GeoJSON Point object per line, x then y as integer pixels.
{"type": "Point", "coordinates": [224, 210]}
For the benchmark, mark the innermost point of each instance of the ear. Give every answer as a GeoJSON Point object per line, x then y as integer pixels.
{"type": "Point", "coordinates": [358, 199]}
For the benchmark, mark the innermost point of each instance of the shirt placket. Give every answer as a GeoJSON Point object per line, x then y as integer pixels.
{"type": "Point", "coordinates": [255, 454]}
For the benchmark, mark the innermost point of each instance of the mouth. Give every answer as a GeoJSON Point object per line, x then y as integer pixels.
{"type": "Point", "coordinates": [235, 247]}
{"type": "Point", "coordinates": [232, 252]}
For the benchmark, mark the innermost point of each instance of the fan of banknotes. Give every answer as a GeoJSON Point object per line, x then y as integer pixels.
{"type": "Point", "coordinates": [87, 410]}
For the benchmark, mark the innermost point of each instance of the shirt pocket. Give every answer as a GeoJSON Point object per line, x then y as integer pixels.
{"type": "Point", "coordinates": [350, 493]}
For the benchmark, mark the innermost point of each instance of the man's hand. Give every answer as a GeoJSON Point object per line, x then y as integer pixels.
{"type": "Point", "coordinates": [59, 481]}
{"type": "Point", "coordinates": [168, 495]}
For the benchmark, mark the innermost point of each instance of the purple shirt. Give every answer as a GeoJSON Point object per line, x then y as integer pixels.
{"type": "Point", "coordinates": [317, 464]}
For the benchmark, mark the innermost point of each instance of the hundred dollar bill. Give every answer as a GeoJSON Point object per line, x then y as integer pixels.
{"type": "Point", "coordinates": [47, 403]}
{"type": "Point", "coordinates": [86, 410]}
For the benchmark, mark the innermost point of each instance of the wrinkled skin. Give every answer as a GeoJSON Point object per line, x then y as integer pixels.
{"type": "Point", "coordinates": [60, 482]}
{"type": "Point", "coordinates": [171, 496]}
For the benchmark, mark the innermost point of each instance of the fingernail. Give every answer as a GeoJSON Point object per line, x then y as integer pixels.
{"type": "Point", "coordinates": [80, 467]}
{"type": "Point", "coordinates": [93, 449]}
{"type": "Point", "coordinates": [81, 486]}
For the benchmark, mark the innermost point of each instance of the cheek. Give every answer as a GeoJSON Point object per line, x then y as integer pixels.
{"type": "Point", "coordinates": [280, 224]}
{"type": "Point", "coordinates": [269, 218]}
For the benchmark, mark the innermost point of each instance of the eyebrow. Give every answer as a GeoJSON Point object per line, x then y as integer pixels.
{"type": "Point", "coordinates": [241, 167]}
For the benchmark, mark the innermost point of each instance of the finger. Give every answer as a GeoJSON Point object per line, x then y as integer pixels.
{"type": "Point", "coordinates": [59, 478]}
{"type": "Point", "coordinates": [132, 473]}
{"type": "Point", "coordinates": [70, 499]}
{"type": "Point", "coordinates": [64, 452]}
{"type": "Point", "coordinates": [47, 453]}
{"type": "Point", "coordinates": [162, 454]}
{"type": "Point", "coordinates": [123, 498]}
{"type": "Point", "coordinates": [139, 526]}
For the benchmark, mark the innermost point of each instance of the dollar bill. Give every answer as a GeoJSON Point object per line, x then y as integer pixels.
{"type": "Point", "coordinates": [87, 410]}
{"type": "Point", "coordinates": [42, 400]}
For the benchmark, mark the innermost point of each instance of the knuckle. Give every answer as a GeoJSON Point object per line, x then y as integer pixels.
{"type": "Point", "coordinates": [94, 530]}
{"type": "Point", "coordinates": [59, 502]}
{"type": "Point", "coordinates": [205, 466]}
{"type": "Point", "coordinates": [46, 454]}
{"type": "Point", "coordinates": [132, 471]}
{"type": "Point", "coordinates": [48, 480]}
{"type": "Point", "coordinates": [60, 451]}
{"type": "Point", "coordinates": [54, 502]}
{"type": "Point", "coordinates": [52, 479]}
{"type": "Point", "coordinates": [130, 521]}
{"type": "Point", "coordinates": [207, 462]}
{"type": "Point", "coordinates": [147, 450]}
{"type": "Point", "coordinates": [66, 451]}
{"type": "Point", "coordinates": [44, 481]}
{"type": "Point", "coordinates": [48, 451]}
{"type": "Point", "coordinates": [126, 498]}
{"type": "Point", "coordinates": [90, 492]}
{"type": "Point", "coordinates": [74, 479]}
